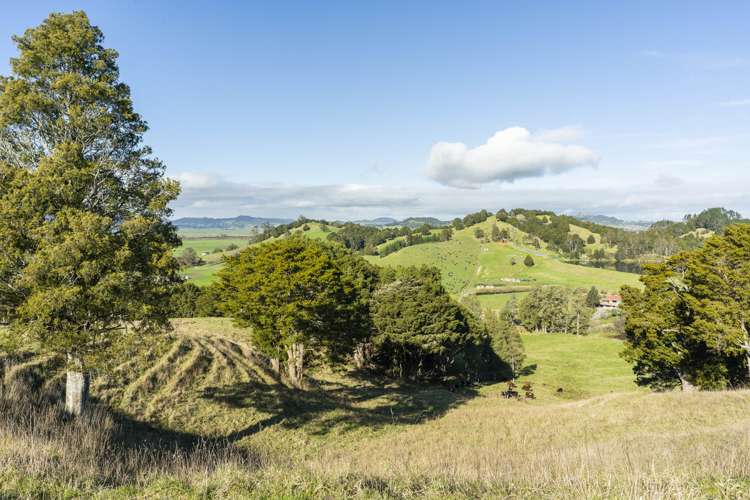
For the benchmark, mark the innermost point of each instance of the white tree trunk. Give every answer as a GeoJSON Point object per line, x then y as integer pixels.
{"type": "Point", "coordinates": [276, 367]}
{"type": "Point", "coordinates": [296, 364]}
{"type": "Point", "coordinates": [686, 385]}
{"type": "Point", "coordinates": [362, 355]}
{"type": "Point", "coordinates": [76, 392]}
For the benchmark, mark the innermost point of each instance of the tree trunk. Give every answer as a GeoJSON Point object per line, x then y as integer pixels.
{"type": "Point", "coordinates": [296, 364]}
{"type": "Point", "coordinates": [76, 392]}
{"type": "Point", "coordinates": [276, 368]}
{"type": "Point", "coordinates": [362, 355]}
{"type": "Point", "coordinates": [686, 385]}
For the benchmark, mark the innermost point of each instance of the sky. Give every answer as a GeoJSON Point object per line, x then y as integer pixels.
{"type": "Point", "coordinates": [350, 110]}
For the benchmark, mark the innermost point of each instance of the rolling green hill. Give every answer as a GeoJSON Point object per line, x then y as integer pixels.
{"type": "Point", "coordinates": [206, 274]}
{"type": "Point", "coordinates": [466, 262]}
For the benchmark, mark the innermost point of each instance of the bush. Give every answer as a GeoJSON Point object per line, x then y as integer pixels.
{"type": "Point", "coordinates": [528, 261]}
{"type": "Point", "coordinates": [421, 333]}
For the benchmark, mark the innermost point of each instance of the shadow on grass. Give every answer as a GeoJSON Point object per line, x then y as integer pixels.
{"type": "Point", "coordinates": [528, 370]}
{"type": "Point", "coordinates": [328, 406]}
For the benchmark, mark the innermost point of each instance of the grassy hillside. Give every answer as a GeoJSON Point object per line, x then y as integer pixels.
{"type": "Point", "coordinates": [352, 437]}
{"type": "Point", "coordinates": [206, 274]}
{"type": "Point", "coordinates": [466, 262]}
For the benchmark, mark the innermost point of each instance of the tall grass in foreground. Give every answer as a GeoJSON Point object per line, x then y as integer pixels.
{"type": "Point", "coordinates": [99, 450]}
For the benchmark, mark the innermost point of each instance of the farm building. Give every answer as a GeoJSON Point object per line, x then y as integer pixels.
{"type": "Point", "coordinates": [611, 301]}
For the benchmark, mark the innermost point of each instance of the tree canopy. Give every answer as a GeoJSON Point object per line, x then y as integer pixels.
{"type": "Point", "coordinates": [299, 296]}
{"type": "Point", "coordinates": [87, 245]}
{"type": "Point", "coordinates": [689, 325]}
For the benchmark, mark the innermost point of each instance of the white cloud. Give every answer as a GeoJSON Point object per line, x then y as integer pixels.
{"type": "Point", "coordinates": [511, 154]}
{"type": "Point", "coordinates": [195, 180]}
{"type": "Point", "coordinates": [654, 198]}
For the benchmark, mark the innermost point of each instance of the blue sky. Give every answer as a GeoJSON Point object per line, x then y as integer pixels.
{"type": "Point", "coordinates": [355, 109]}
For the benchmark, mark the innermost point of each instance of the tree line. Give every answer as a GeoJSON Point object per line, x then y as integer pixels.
{"type": "Point", "coordinates": [306, 301]}
{"type": "Point", "coordinates": [662, 239]}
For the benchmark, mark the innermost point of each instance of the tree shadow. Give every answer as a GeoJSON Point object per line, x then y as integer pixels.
{"type": "Point", "coordinates": [330, 405]}
{"type": "Point", "coordinates": [528, 370]}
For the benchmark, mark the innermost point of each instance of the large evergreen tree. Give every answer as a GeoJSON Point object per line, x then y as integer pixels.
{"type": "Point", "coordinates": [86, 259]}
{"type": "Point", "coordinates": [301, 297]}
{"type": "Point", "coordinates": [420, 332]}
{"type": "Point", "coordinates": [690, 323]}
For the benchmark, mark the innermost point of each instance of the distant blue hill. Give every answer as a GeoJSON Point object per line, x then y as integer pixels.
{"type": "Point", "coordinates": [239, 222]}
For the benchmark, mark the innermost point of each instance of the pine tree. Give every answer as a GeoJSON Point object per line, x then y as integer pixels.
{"type": "Point", "coordinates": [87, 262]}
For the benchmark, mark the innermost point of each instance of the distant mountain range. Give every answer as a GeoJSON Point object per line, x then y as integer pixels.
{"type": "Point", "coordinates": [606, 220]}
{"type": "Point", "coordinates": [245, 221]}
{"type": "Point", "coordinates": [239, 222]}
{"type": "Point", "coordinates": [410, 222]}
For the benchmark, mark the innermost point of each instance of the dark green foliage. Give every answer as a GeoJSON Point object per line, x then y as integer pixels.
{"type": "Point", "coordinates": [183, 299]}
{"type": "Point", "coordinates": [421, 333]}
{"type": "Point", "coordinates": [590, 240]}
{"type": "Point", "coordinates": [592, 298]}
{"type": "Point", "coordinates": [599, 254]}
{"type": "Point", "coordinates": [479, 233]}
{"type": "Point", "coordinates": [86, 263]}
{"type": "Point", "coordinates": [208, 303]}
{"type": "Point", "coordinates": [528, 261]}
{"type": "Point", "coordinates": [475, 218]}
{"type": "Point", "coordinates": [189, 300]}
{"type": "Point", "coordinates": [554, 309]}
{"type": "Point", "coordinates": [299, 291]}
{"type": "Point", "coordinates": [231, 246]}
{"type": "Point", "coordinates": [689, 325]}
{"type": "Point", "coordinates": [495, 234]}
{"type": "Point", "coordinates": [506, 341]}
{"type": "Point", "coordinates": [189, 258]}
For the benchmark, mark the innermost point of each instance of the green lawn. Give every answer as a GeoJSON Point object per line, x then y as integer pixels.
{"type": "Point", "coordinates": [201, 245]}
{"type": "Point", "coordinates": [582, 366]}
{"type": "Point", "coordinates": [498, 301]}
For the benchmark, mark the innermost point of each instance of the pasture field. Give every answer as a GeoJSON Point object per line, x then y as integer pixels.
{"type": "Point", "coordinates": [201, 245]}
{"type": "Point", "coordinates": [466, 262]}
{"type": "Point", "coordinates": [498, 301]}
{"type": "Point", "coordinates": [348, 436]}
{"type": "Point", "coordinates": [241, 232]}
{"type": "Point", "coordinates": [206, 274]}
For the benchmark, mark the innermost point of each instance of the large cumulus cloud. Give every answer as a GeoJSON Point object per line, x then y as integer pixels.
{"type": "Point", "coordinates": [510, 154]}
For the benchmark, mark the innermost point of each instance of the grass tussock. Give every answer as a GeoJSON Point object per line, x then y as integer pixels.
{"type": "Point", "coordinates": [43, 452]}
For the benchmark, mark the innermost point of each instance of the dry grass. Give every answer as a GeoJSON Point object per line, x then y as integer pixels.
{"type": "Point", "coordinates": [621, 445]}
{"type": "Point", "coordinates": [222, 428]}
{"type": "Point", "coordinates": [49, 454]}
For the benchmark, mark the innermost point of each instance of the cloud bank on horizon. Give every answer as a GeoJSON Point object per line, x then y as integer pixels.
{"type": "Point", "coordinates": [510, 154]}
